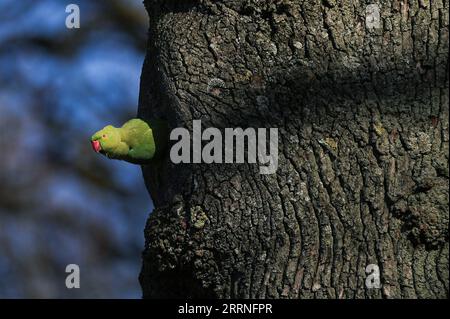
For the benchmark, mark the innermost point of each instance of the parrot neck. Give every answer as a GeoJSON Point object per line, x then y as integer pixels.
{"type": "Point", "coordinates": [124, 134]}
{"type": "Point", "coordinates": [121, 150]}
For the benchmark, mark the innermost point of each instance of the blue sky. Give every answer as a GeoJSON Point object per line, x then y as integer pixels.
{"type": "Point", "coordinates": [69, 204]}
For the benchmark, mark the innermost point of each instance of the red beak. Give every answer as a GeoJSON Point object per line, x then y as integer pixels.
{"type": "Point", "coordinates": [96, 146]}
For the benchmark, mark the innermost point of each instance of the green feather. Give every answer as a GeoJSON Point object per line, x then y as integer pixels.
{"type": "Point", "coordinates": [137, 141]}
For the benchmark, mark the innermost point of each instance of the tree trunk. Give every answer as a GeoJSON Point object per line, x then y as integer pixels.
{"type": "Point", "coordinates": [361, 104]}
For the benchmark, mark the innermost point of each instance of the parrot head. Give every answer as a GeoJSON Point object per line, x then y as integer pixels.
{"type": "Point", "coordinates": [106, 140]}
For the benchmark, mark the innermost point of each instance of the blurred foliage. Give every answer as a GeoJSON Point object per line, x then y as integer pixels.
{"type": "Point", "coordinates": [59, 202]}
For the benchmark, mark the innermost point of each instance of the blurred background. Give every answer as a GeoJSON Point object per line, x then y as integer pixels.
{"type": "Point", "coordinates": [60, 203]}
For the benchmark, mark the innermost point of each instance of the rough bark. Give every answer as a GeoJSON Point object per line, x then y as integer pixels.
{"type": "Point", "coordinates": [362, 113]}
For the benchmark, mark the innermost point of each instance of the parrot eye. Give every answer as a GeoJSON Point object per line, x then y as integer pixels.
{"type": "Point", "coordinates": [104, 135]}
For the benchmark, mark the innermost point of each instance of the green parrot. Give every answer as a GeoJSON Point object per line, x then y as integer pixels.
{"type": "Point", "coordinates": [136, 142]}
